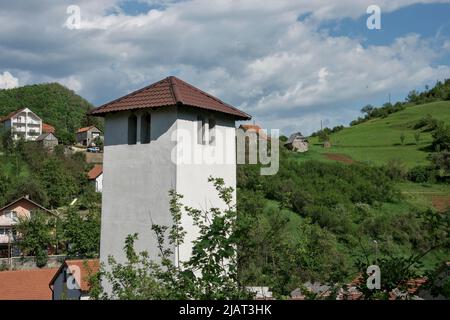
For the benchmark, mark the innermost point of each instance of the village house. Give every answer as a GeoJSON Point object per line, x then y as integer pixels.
{"type": "Point", "coordinates": [9, 217]}
{"type": "Point", "coordinates": [143, 147]}
{"type": "Point", "coordinates": [71, 280]}
{"type": "Point", "coordinates": [297, 142]}
{"type": "Point", "coordinates": [48, 141]}
{"type": "Point", "coordinates": [95, 176]}
{"type": "Point", "coordinates": [86, 136]}
{"type": "Point", "coordinates": [23, 123]}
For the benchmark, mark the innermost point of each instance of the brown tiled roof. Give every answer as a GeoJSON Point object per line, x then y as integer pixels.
{"type": "Point", "coordinates": [28, 200]}
{"type": "Point", "coordinates": [12, 114]}
{"type": "Point", "coordinates": [255, 128]}
{"type": "Point", "coordinates": [46, 128]}
{"type": "Point", "coordinates": [86, 129]}
{"type": "Point", "coordinates": [26, 284]}
{"type": "Point", "coordinates": [85, 267]}
{"type": "Point", "coordinates": [168, 92]}
{"type": "Point", "coordinates": [95, 172]}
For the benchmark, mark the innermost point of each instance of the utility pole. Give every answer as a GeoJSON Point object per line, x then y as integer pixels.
{"type": "Point", "coordinates": [321, 125]}
{"type": "Point", "coordinates": [389, 98]}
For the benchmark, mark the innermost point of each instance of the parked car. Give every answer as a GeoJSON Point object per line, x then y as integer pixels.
{"type": "Point", "coordinates": [93, 149]}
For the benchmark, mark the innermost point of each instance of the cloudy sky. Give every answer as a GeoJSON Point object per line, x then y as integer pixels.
{"type": "Point", "coordinates": [289, 63]}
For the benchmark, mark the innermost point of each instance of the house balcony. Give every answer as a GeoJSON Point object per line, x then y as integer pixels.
{"type": "Point", "coordinates": [20, 129]}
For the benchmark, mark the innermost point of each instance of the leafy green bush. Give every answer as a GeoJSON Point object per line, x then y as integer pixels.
{"type": "Point", "coordinates": [421, 174]}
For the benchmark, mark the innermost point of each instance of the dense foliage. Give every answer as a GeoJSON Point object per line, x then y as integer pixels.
{"type": "Point", "coordinates": [313, 221]}
{"type": "Point", "coordinates": [36, 236]}
{"type": "Point", "coordinates": [51, 179]}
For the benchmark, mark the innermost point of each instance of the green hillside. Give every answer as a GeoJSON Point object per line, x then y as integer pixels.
{"type": "Point", "coordinates": [378, 140]}
{"type": "Point", "coordinates": [54, 103]}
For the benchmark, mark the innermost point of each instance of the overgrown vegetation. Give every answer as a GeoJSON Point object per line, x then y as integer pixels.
{"type": "Point", "coordinates": [315, 221]}
{"type": "Point", "coordinates": [51, 179]}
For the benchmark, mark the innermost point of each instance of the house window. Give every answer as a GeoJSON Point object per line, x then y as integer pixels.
{"type": "Point", "coordinates": [212, 131]}
{"type": "Point", "coordinates": [3, 231]}
{"type": "Point", "coordinates": [11, 215]}
{"type": "Point", "coordinates": [145, 128]}
{"type": "Point", "coordinates": [132, 127]}
{"type": "Point", "coordinates": [201, 128]}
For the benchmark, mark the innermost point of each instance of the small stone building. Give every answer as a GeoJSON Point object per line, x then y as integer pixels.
{"type": "Point", "coordinates": [86, 136]}
{"type": "Point", "coordinates": [48, 140]}
{"type": "Point", "coordinates": [297, 142]}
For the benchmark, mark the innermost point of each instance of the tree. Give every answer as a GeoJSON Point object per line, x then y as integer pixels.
{"type": "Point", "coordinates": [82, 234]}
{"type": "Point", "coordinates": [367, 110]}
{"type": "Point", "coordinates": [211, 272]}
{"type": "Point", "coordinates": [402, 138]}
{"type": "Point", "coordinates": [7, 141]}
{"type": "Point", "coordinates": [323, 136]}
{"type": "Point", "coordinates": [417, 137]}
{"type": "Point", "coordinates": [35, 236]}
{"type": "Point", "coordinates": [441, 137]}
{"type": "Point", "coordinates": [99, 142]}
{"type": "Point", "coordinates": [59, 183]}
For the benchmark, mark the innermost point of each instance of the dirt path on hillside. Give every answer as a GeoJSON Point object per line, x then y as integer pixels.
{"type": "Point", "coordinates": [441, 203]}
{"type": "Point", "coordinates": [339, 157]}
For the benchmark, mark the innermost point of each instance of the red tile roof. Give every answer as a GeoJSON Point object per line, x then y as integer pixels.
{"type": "Point", "coordinates": [26, 284]}
{"type": "Point", "coordinates": [85, 267]}
{"type": "Point", "coordinates": [46, 128]}
{"type": "Point", "coordinates": [255, 128]}
{"type": "Point", "coordinates": [12, 114]}
{"type": "Point", "coordinates": [168, 92]}
{"type": "Point", "coordinates": [25, 198]}
{"type": "Point", "coordinates": [95, 172]}
{"type": "Point", "coordinates": [86, 129]}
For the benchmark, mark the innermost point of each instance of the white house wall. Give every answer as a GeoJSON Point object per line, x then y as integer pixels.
{"type": "Point", "coordinates": [137, 180]}
{"type": "Point", "coordinates": [192, 179]}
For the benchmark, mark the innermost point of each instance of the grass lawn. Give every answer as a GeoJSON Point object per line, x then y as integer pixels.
{"type": "Point", "coordinates": [377, 141]}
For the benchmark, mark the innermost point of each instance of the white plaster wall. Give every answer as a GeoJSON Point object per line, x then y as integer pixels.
{"type": "Point", "coordinates": [99, 183]}
{"type": "Point", "coordinates": [137, 179]}
{"type": "Point", "coordinates": [192, 179]}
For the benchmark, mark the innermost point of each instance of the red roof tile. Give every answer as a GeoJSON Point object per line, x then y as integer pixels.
{"type": "Point", "coordinates": [86, 129]}
{"type": "Point", "coordinates": [255, 128]}
{"type": "Point", "coordinates": [12, 114]}
{"type": "Point", "coordinates": [46, 128]}
{"type": "Point", "coordinates": [168, 92]}
{"type": "Point", "coordinates": [26, 284]}
{"type": "Point", "coordinates": [95, 172]}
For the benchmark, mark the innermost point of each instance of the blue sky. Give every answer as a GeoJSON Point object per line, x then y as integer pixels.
{"type": "Point", "coordinates": [289, 63]}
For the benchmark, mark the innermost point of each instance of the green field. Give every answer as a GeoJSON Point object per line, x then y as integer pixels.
{"type": "Point", "coordinates": [378, 140]}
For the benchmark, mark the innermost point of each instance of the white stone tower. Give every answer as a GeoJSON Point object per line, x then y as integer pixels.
{"type": "Point", "coordinates": [169, 135]}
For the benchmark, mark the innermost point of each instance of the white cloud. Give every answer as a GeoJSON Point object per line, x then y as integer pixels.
{"type": "Point", "coordinates": [254, 54]}
{"type": "Point", "coordinates": [8, 81]}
